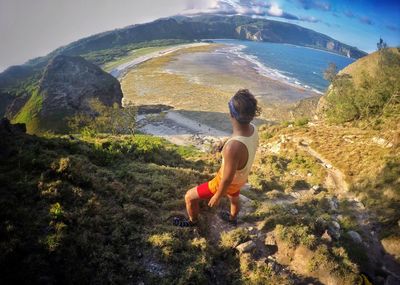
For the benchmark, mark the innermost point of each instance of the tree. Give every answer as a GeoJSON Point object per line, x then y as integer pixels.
{"type": "Point", "coordinates": [330, 72]}
{"type": "Point", "coordinates": [381, 44]}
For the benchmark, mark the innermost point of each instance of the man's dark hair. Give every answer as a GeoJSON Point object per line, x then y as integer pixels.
{"type": "Point", "coordinates": [246, 105]}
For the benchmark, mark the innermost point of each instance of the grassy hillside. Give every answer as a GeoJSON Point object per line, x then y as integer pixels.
{"type": "Point", "coordinates": [367, 92]}
{"type": "Point", "coordinates": [98, 209]}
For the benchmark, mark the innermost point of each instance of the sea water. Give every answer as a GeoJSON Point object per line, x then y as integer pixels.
{"type": "Point", "coordinates": [292, 64]}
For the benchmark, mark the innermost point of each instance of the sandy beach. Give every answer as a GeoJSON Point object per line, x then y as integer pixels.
{"type": "Point", "coordinates": [120, 70]}
{"type": "Point", "coordinates": [198, 80]}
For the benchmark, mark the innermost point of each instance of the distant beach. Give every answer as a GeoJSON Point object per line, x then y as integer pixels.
{"type": "Point", "coordinates": [197, 80]}
{"type": "Point", "coordinates": [120, 70]}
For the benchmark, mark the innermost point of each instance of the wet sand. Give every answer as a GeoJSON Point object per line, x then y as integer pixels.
{"type": "Point", "coordinates": [223, 69]}
{"type": "Point", "coordinates": [198, 82]}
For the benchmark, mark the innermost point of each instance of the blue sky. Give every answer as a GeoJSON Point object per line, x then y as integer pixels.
{"type": "Point", "coordinates": [359, 23]}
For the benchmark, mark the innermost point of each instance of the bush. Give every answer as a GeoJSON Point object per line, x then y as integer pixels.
{"type": "Point", "coordinates": [374, 96]}
{"type": "Point", "coordinates": [104, 119]}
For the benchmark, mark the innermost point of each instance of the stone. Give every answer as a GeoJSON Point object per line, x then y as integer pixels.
{"type": "Point", "coordinates": [294, 211]}
{"type": "Point", "coordinates": [326, 236]}
{"type": "Point", "coordinates": [270, 239]}
{"type": "Point", "coordinates": [295, 195]}
{"type": "Point", "coordinates": [245, 187]}
{"type": "Point", "coordinates": [333, 204]}
{"type": "Point", "coordinates": [334, 229]}
{"type": "Point", "coordinates": [67, 86]}
{"type": "Point", "coordinates": [275, 148]}
{"type": "Point", "coordinates": [316, 187]}
{"type": "Point", "coordinates": [382, 142]}
{"type": "Point", "coordinates": [246, 246]}
{"type": "Point", "coordinates": [355, 236]}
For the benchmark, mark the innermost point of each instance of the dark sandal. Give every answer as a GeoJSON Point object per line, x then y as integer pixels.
{"type": "Point", "coordinates": [226, 216]}
{"type": "Point", "coordinates": [183, 222]}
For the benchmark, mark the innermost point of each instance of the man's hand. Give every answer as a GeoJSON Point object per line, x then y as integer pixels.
{"type": "Point", "coordinates": [214, 201]}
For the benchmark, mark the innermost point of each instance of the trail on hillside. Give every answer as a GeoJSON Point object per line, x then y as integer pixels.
{"type": "Point", "coordinates": [183, 131]}
{"type": "Point", "coordinates": [335, 179]}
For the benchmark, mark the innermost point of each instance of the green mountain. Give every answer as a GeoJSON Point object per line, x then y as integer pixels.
{"type": "Point", "coordinates": [21, 87]}
{"type": "Point", "coordinates": [107, 44]}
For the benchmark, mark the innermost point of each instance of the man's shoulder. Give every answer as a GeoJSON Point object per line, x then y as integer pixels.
{"type": "Point", "coordinates": [234, 146]}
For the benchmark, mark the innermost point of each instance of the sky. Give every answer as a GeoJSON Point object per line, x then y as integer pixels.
{"type": "Point", "coordinates": [31, 28]}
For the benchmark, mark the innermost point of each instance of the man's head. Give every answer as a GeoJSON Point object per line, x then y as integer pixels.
{"type": "Point", "coordinates": [243, 106]}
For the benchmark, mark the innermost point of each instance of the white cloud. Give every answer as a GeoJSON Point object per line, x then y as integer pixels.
{"type": "Point", "coordinates": [33, 28]}
{"type": "Point", "coordinates": [275, 10]}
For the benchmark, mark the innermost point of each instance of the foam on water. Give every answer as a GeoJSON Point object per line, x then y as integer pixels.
{"type": "Point", "coordinates": [262, 69]}
{"type": "Point", "coordinates": [301, 67]}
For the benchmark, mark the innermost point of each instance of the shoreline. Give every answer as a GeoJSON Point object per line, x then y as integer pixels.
{"type": "Point", "coordinates": [119, 71]}
{"type": "Point", "coordinates": [196, 82]}
{"type": "Point", "coordinates": [180, 130]}
{"type": "Point", "coordinates": [269, 72]}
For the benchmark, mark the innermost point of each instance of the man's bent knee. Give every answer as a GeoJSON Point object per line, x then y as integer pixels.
{"type": "Point", "coordinates": [191, 195]}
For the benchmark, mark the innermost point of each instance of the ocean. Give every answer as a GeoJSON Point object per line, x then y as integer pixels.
{"type": "Point", "coordinates": [292, 64]}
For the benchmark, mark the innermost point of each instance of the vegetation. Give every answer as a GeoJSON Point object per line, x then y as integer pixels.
{"type": "Point", "coordinates": [104, 119]}
{"type": "Point", "coordinates": [29, 113]}
{"type": "Point", "coordinates": [373, 98]}
{"type": "Point", "coordinates": [114, 56]}
{"type": "Point", "coordinates": [95, 210]}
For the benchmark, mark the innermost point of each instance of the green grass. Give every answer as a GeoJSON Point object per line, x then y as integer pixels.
{"type": "Point", "coordinates": [96, 209]}
{"type": "Point", "coordinates": [30, 111]}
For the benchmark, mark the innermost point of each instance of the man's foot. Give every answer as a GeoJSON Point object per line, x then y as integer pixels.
{"type": "Point", "coordinates": [183, 222]}
{"type": "Point", "coordinates": [226, 216]}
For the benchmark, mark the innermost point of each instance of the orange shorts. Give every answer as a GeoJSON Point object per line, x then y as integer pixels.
{"type": "Point", "coordinates": [204, 192]}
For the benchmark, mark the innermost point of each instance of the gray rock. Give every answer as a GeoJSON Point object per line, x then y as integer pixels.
{"type": "Point", "coordinates": [334, 229]}
{"type": "Point", "coordinates": [246, 246]}
{"type": "Point", "coordinates": [67, 85]}
{"type": "Point", "coordinates": [355, 236]}
{"type": "Point", "coordinates": [333, 204]}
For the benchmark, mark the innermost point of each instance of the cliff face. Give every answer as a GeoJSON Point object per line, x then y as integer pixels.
{"type": "Point", "coordinates": [67, 85]}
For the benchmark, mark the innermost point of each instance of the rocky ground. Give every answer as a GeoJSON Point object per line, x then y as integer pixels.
{"type": "Point", "coordinates": [263, 246]}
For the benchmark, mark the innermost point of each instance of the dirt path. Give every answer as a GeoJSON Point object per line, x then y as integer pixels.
{"type": "Point", "coordinates": [368, 226]}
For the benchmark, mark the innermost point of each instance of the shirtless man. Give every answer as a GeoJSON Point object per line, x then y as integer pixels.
{"type": "Point", "coordinates": [237, 158]}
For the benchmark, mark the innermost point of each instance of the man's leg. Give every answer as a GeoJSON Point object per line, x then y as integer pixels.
{"type": "Point", "coordinates": [235, 206]}
{"type": "Point", "coordinates": [192, 204]}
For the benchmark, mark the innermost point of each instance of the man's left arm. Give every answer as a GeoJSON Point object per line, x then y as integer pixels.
{"type": "Point", "coordinates": [231, 162]}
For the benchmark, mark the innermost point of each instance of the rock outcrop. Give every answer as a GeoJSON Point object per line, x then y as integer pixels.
{"type": "Point", "coordinates": [66, 87]}
{"type": "Point", "coordinates": [69, 82]}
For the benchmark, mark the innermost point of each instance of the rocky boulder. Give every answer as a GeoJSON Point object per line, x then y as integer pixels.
{"type": "Point", "coordinates": [68, 84]}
